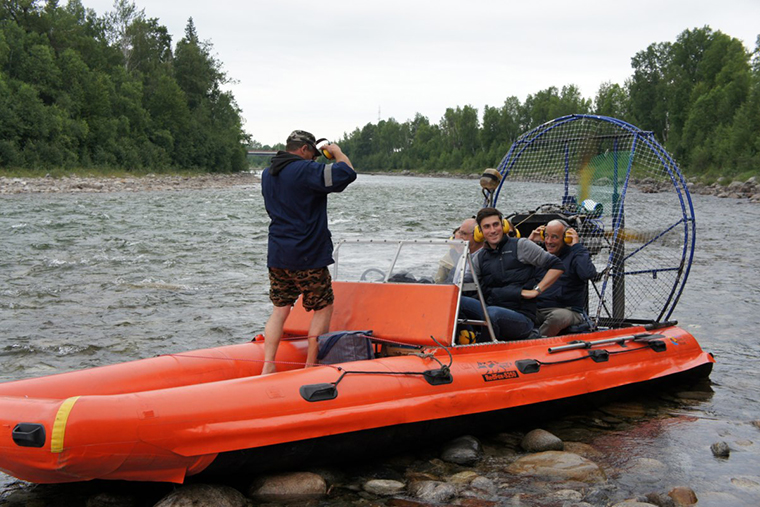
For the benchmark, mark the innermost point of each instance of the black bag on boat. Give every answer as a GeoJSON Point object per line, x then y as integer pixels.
{"type": "Point", "coordinates": [344, 346]}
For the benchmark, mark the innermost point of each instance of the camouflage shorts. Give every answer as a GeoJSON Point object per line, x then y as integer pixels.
{"type": "Point", "coordinates": [285, 285]}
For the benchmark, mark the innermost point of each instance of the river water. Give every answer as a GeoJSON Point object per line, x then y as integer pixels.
{"type": "Point", "coordinates": [97, 279]}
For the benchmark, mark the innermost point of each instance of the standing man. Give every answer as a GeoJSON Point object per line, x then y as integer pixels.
{"type": "Point", "coordinates": [563, 304]}
{"type": "Point", "coordinates": [506, 268]}
{"type": "Point", "coordinates": [295, 189]}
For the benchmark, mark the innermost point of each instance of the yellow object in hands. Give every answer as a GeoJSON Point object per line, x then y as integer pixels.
{"type": "Point", "coordinates": [322, 150]}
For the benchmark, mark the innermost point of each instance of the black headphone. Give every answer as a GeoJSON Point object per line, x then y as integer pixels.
{"type": "Point", "coordinates": [566, 237]}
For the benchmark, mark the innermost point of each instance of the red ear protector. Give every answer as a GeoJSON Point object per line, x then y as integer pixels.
{"type": "Point", "coordinates": [322, 151]}
{"type": "Point", "coordinates": [566, 238]}
{"type": "Point", "coordinates": [478, 237]}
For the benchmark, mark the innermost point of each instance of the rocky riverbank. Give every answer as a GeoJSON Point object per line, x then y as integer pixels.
{"type": "Point", "coordinates": [86, 184]}
{"type": "Point", "coordinates": [749, 189]}
{"type": "Point", "coordinates": [723, 187]}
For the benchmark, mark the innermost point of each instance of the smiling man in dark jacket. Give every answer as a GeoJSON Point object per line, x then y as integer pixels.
{"type": "Point", "coordinates": [295, 189]}
{"type": "Point", "coordinates": [506, 268]}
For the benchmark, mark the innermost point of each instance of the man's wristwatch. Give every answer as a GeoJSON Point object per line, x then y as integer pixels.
{"type": "Point", "coordinates": [537, 288]}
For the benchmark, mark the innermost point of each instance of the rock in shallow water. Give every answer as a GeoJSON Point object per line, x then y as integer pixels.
{"type": "Point", "coordinates": [466, 450]}
{"type": "Point", "coordinates": [288, 487]}
{"type": "Point", "coordinates": [383, 487]}
{"type": "Point", "coordinates": [540, 440]}
{"type": "Point", "coordinates": [485, 485]}
{"type": "Point", "coordinates": [569, 495]}
{"type": "Point", "coordinates": [432, 491]}
{"type": "Point", "coordinates": [683, 496]}
{"type": "Point", "coordinates": [645, 470]}
{"type": "Point", "coordinates": [465, 477]}
{"type": "Point", "coordinates": [720, 449]}
{"type": "Point", "coordinates": [195, 495]}
{"type": "Point", "coordinates": [558, 465]}
{"type": "Point", "coordinates": [660, 500]}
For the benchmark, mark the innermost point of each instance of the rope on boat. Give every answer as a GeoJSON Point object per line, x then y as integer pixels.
{"type": "Point", "coordinates": [444, 368]}
{"type": "Point", "coordinates": [296, 363]}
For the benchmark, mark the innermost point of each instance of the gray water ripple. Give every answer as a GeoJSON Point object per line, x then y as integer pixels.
{"type": "Point", "coordinates": [90, 280]}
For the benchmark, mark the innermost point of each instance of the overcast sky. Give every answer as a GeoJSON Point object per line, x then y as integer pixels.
{"type": "Point", "coordinates": [332, 66]}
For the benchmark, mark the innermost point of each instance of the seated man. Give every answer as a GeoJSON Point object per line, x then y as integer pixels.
{"type": "Point", "coordinates": [506, 269]}
{"type": "Point", "coordinates": [564, 303]}
{"type": "Point", "coordinates": [446, 267]}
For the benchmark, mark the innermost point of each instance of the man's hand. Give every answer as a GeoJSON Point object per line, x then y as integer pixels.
{"type": "Point", "coordinates": [535, 235]}
{"type": "Point", "coordinates": [574, 238]}
{"type": "Point", "coordinates": [332, 149]}
{"type": "Point", "coordinates": [337, 154]}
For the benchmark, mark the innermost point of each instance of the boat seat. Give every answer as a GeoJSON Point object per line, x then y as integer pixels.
{"type": "Point", "coordinates": [407, 313]}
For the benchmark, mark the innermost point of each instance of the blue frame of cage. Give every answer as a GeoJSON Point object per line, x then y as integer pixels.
{"type": "Point", "coordinates": [618, 213]}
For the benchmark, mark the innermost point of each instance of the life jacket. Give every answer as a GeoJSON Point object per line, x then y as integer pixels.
{"type": "Point", "coordinates": [503, 277]}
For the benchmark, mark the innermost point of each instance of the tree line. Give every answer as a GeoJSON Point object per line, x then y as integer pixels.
{"type": "Point", "coordinates": [700, 95]}
{"type": "Point", "coordinates": [82, 91]}
{"type": "Point", "coordinates": [78, 90]}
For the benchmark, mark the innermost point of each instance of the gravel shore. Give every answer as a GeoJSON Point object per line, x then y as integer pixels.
{"type": "Point", "coordinates": [79, 184]}
{"type": "Point", "coordinates": [749, 189]}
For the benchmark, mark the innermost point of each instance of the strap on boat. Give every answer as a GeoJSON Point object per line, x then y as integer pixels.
{"type": "Point", "coordinates": [59, 426]}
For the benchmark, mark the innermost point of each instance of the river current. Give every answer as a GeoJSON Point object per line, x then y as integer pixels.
{"type": "Point", "coordinates": [97, 279]}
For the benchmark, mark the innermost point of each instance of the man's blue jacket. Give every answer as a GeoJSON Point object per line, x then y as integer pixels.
{"type": "Point", "coordinates": [295, 196]}
{"type": "Point", "coordinates": [570, 290]}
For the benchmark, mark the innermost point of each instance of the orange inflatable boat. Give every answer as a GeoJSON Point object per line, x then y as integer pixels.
{"type": "Point", "coordinates": [211, 411]}
{"type": "Point", "coordinates": [164, 418]}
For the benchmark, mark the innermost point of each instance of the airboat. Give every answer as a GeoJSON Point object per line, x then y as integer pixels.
{"type": "Point", "coordinates": [212, 412]}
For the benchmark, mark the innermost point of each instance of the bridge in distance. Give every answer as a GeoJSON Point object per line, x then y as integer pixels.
{"type": "Point", "coordinates": [261, 153]}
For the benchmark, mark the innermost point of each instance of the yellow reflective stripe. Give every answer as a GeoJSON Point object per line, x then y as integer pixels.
{"type": "Point", "coordinates": [59, 426]}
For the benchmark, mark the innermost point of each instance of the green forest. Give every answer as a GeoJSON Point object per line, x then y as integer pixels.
{"type": "Point", "coordinates": [79, 91]}
{"type": "Point", "coordinates": [82, 91]}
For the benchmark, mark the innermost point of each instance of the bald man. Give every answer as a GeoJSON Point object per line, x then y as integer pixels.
{"type": "Point", "coordinates": [562, 305]}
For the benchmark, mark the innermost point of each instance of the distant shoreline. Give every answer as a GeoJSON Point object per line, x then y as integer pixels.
{"type": "Point", "coordinates": [749, 189]}
{"type": "Point", "coordinates": [157, 183]}
{"type": "Point", "coordinates": [105, 184]}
